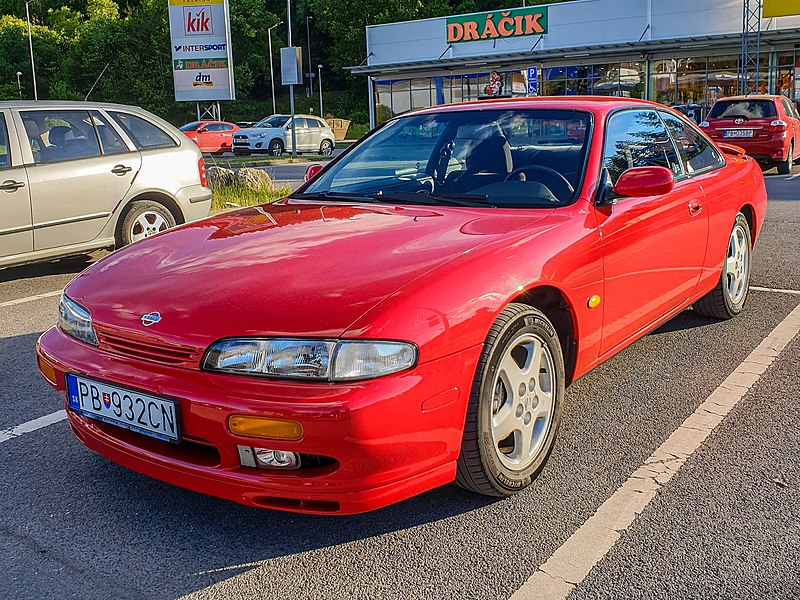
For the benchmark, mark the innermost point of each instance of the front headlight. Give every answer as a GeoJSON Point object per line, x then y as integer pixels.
{"type": "Point", "coordinates": [321, 360]}
{"type": "Point", "coordinates": [259, 135]}
{"type": "Point", "coordinates": [75, 320]}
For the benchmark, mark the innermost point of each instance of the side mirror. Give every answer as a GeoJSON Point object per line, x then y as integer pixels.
{"type": "Point", "coordinates": [640, 182]}
{"type": "Point", "coordinates": [202, 130]}
{"type": "Point", "coordinates": [312, 171]}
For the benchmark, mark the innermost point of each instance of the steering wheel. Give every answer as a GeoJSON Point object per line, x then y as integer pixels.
{"type": "Point", "coordinates": [561, 180]}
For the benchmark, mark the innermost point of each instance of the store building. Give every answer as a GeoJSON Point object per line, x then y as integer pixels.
{"type": "Point", "coordinates": [683, 53]}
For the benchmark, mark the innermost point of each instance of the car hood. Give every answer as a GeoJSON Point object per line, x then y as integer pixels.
{"type": "Point", "coordinates": [293, 268]}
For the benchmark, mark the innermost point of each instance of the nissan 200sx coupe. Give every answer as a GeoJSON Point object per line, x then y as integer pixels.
{"type": "Point", "coordinates": [411, 315]}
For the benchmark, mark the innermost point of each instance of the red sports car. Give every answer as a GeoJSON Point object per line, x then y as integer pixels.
{"type": "Point", "coordinates": [412, 314]}
{"type": "Point", "coordinates": [215, 137]}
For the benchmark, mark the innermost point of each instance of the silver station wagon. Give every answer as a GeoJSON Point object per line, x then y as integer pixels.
{"type": "Point", "coordinates": [78, 176]}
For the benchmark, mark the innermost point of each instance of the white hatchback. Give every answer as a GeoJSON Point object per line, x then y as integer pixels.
{"type": "Point", "coordinates": [273, 135]}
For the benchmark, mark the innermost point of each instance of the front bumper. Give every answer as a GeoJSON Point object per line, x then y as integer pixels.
{"type": "Point", "coordinates": [252, 144]}
{"type": "Point", "coordinates": [389, 438]}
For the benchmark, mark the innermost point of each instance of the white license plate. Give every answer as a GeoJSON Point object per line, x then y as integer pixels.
{"type": "Point", "coordinates": [738, 133]}
{"type": "Point", "coordinates": [143, 413]}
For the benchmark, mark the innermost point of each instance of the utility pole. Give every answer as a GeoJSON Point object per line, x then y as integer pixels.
{"type": "Point", "coordinates": [291, 87]}
{"type": "Point", "coordinates": [310, 87]}
{"type": "Point", "coordinates": [321, 114]}
{"type": "Point", "coordinates": [271, 70]}
{"type": "Point", "coordinates": [30, 45]}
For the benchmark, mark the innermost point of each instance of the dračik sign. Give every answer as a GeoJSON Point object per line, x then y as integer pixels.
{"type": "Point", "coordinates": [495, 25]}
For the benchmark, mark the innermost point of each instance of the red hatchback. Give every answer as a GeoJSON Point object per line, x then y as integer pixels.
{"type": "Point", "coordinates": [411, 315]}
{"type": "Point", "coordinates": [215, 137]}
{"type": "Point", "coordinates": [767, 127]}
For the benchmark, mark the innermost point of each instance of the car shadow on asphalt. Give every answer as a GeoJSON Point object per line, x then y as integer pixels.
{"type": "Point", "coordinates": [65, 266]}
{"type": "Point", "coordinates": [688, 319]}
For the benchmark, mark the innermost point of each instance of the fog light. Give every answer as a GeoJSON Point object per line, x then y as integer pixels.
{"type": "Point", "coordinates": [276, 459]}
{"type": "Point", "coordinates": [261, 427]}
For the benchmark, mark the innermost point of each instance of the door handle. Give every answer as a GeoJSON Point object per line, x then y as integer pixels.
{"type": "Point", "coordinates": [11, 186]}
{"type": "Point", "coordinates": [121, 170]}
{"type": "Point", "coordinates": [695, 208]}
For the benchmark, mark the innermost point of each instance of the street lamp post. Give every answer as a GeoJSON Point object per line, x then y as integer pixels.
{"type": "Point", "coordinates": [271, 70]}
{"type": "Point", "coordinates": [30, 44]}
{"type": "Point", "coordinates": [321, 114]}
{"type": "Point", "coordinates": [19, 84]}
{"type": "Point", "coordinates": [310, 87]}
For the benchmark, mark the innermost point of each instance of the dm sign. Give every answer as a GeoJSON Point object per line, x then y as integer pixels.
{"type": "Point", "coordinates": [201, 50]}
{"type": "Point", "coordinates": [497, 25]}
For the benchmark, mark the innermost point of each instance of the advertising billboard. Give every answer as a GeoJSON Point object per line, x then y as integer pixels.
{"type": "Point", "coordinates": [202, 66]}
{"type": "Point", "coordinates": [780, 8]}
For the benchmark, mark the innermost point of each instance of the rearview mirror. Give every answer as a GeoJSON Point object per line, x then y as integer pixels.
{"type": "Point", "coordinates": [640, 182]}
{"type": "Point", "coordinates": [312, 171]}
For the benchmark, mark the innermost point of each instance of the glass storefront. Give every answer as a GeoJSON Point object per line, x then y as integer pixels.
{"type": "Point", "coordinates": [691, 84]}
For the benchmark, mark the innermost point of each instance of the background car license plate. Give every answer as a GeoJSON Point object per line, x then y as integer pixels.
{"type": "Point", "coordinates": [150, 415]}
{"type": "Point", "coordinates": [738, 133]}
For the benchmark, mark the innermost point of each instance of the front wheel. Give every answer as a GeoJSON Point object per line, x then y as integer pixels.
{"type": "Point", "coordinates": [276, 147]}
{"type": "Point", "coordinates": [144, 219]}
{"type": "Point", "coordinates": [785, 166]}
{"type": "Point", "coordinates": [515, 404]}
{"type": "Point", "coordinates": [728, 298]}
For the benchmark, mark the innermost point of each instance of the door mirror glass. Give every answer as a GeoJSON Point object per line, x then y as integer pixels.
{"type": "Point", "coordinates": [640, 182]}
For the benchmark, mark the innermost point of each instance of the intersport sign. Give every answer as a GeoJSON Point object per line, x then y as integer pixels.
{"type": "Point", "coordinates": [517, 22]}
{"type": "Point", "coordinates": [202, 66]}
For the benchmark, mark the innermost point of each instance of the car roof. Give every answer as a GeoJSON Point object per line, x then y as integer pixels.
{"type": "Point", "coordinates": [596, 104]}
{"type": "Point", "coordinates": [752, 97]}
{"type": "Point", "coordinates": [62, 104]}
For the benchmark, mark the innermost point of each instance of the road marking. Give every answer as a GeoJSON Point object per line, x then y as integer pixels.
{"type": "Point", "coordinates": [29, 299]}
{"type": "Point", "coordinates": [30, 426]}
{"type": "Point", "coordinates": [775, 290]}
{"type": "Point", "coordinates": [571, 563]}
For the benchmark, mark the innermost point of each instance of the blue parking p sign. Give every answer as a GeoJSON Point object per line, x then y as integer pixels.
{"type": "Point", "coordinates": [533, 81]}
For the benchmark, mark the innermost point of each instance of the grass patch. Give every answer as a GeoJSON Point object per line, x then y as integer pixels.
{"type": "Point", "coordinates": [227, 197]}
{"type": "Point", "coordinates": [356, 131]}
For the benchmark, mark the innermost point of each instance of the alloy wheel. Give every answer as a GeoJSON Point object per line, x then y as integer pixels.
{"type": "Point", "coordinates": [737, 265]}
{"type": "Point", "coordinates": [146, 224]}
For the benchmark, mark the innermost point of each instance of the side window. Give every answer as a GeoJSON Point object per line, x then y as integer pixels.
{"type": "Point", "coordinates": [637, 138]}
{"type": "Point", "coordinates": [5, 151]}
{"type": "Point", "coordinates": [788, 107]}
{"type": "Point", "coordinates": [214, 127]}
{"type": "Point", "coordinates": [144, 134]}
{"type": "Point", "coordinates": [60, 135]}
{"type": "Point", "coordinates": [697, 153]}
{"type": "Point", "coordinates": [110, 142]}
{"type": "Point", "coordinates": [227, 128]}
{"type": "Point", "coordinates": [313, 123]}
{"type": "Point", "coordinates": [299, 122]}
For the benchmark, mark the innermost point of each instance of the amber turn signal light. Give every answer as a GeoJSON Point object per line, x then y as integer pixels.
{"type": "Point", "coordinates": [46, 369]}
{"type": "Point", "coordinates": [264, 428]}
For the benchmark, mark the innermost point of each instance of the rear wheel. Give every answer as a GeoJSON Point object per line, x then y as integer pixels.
{"type": "Point", "coordinates": [515, 404]}
{"type": "Point", "coordinates": [785, 166]}
{"type": "Point", "coordinates": [144, 219]}
{"type": "Point", "coordinates": [326, 148]}
{"type": "Point", "coordinates": [728, 298]}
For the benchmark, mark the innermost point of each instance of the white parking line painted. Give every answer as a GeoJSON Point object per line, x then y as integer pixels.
{"type": "Point", "coordinates": [30, 426]}
{"type": "Point", "coordinates": [29, 299]}
{"type": "Point", "coordinates": [571, 563]}
{"type": "Point", "coordinates": [774, 290]}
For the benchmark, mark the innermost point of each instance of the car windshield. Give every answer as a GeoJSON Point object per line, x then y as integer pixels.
{"type": "Point", "coordinates": [504, 158]}
{"type": "Point", "coordinates": [743, 109]}
{"type": "Point", "coordinates": [191, 126]}
{"type": "Point", "coordinates": [275, 121]}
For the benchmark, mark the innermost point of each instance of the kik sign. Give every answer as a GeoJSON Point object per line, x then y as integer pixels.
{"type": "Point", "coordinates": [202, 67]}
{"type": "Point", "coordinates": [495, 25]}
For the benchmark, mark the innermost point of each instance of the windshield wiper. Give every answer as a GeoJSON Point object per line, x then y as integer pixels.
{"type": "Point", "coordinates": [334, 196]}
{"type": "Point", "coordinates": [423, 197]}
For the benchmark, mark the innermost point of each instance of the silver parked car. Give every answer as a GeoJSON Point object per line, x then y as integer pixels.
{"type": "Point", "coordinates": [78, 176]}
{"type": "Point", "coordinates": [274, 135]}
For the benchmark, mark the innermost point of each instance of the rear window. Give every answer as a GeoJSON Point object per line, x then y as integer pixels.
{"type": "Point", "coordinates": [743, 109]}
{"type": "Point", "coordinates": [143, 133]}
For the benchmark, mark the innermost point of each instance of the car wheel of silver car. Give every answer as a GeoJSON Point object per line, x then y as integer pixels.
{"type": "Point", "coordinates": [326, 148]}
{"type": "Point", "coordinates": [785, 166]}
{"type": "Point", "coordinates": [276, 147]}
{"type": "Point", "coordinates": [728, 298]}
{"type": "Point", "coordinates": [143, 219]}
{"type": "Point", "coordinates": [515, 404]}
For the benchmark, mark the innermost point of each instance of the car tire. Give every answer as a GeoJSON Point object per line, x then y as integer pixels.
{"type": "Point", "coordinates": [785, 166]}
{"type": "Point", "coordinates": [729, 296]}
{"type": "Point", "coordinates": [326, 148]}
{"type": "Point", "coordinates": [512, 418]}
{"type": "Point", "coordinates": [276, 148]}
{"type": "Point", "coordinates": [143, 219]}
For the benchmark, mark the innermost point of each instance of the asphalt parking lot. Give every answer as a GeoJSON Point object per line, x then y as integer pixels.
{"type": "Point", "coordinates": [724, 524]}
